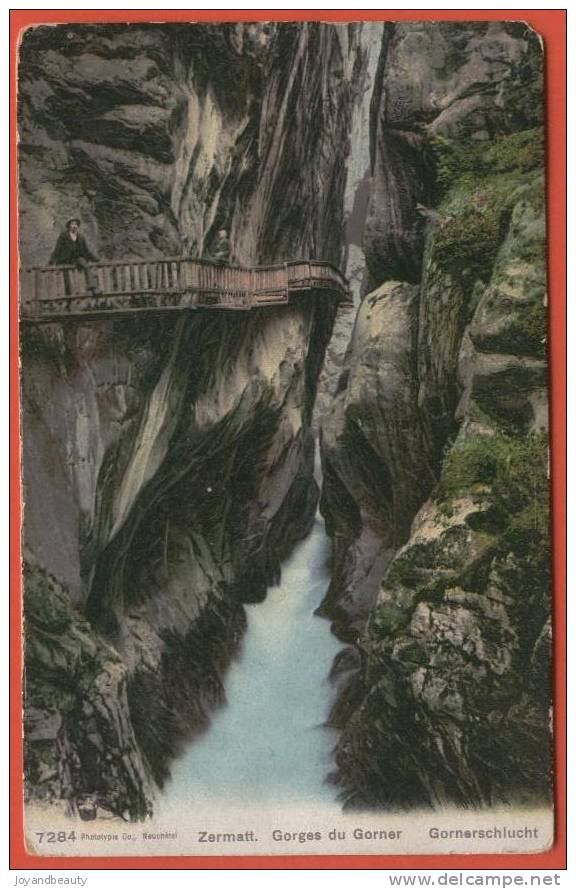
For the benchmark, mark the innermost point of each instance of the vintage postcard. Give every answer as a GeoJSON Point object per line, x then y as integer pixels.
{"type": "Point", "coordinates": [284, 356]}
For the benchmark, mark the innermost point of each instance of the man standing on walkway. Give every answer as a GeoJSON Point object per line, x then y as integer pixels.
{"type": "Point", "coordinates": [71, 249]}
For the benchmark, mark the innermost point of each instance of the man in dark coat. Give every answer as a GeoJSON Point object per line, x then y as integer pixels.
{"type": "Point", "coordinates": [71, 249]}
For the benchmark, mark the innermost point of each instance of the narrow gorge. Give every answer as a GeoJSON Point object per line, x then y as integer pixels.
{"type": "Point", "coordinates": [171, 463]}
{"type": "Point", "coordinates": [435, 452]}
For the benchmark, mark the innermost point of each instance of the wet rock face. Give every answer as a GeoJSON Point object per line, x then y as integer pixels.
{"type": "Point", "coordinates": [453, 707]}
{"type": "Point", "coordinates": [375, 459]}
{"type": "Point", "coordinates": [458, 81]}
{"type": "Point", "coordinates": [447, 705]}
{"type": "Point", "coordinates": [169, 465]}
{"type": "Point", "coordinates": [79, 741]}
{"type": "Point", "coordinates": [158, 136]}
{"type": "Point", "coordinates": [502, 365]}
{"type": "Point", "coordinates": [83, 388]}
{"type": "Point", "coordinates": [449, 691]}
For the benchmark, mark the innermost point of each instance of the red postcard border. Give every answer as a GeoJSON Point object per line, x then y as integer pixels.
{"type": "Point", "coordinates": [551, 25]}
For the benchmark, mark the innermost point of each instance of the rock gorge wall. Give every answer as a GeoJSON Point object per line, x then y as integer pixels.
{"type": "Point", "coordinates": [434, 453]}
{"type": "Point", "coordinates": [168, 465]}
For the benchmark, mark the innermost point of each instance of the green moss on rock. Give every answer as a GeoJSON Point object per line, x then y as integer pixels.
{"type": "Point", "coordinates": [515, 468]}
{"type": "Point", "coordinates": [468, 242]}
{"type": "Point", "coordinates": [478, 184]}
{"type": "Point", "coordinates": [458, 160]}
{"type": "Point", "coordinates": [512, 471]}
{"type": "Point", "coordinates": [528, 332]}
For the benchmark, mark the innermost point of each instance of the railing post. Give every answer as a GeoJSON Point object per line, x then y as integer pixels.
{"type": "Point", "coordinates": [46, 286]}
{"type": "Point", "coordinates": [286, 284]}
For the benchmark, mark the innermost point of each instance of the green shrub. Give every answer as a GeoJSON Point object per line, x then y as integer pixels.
{"type": "Point", "coordinates": [460, 160]}
{"type": "Point", "coordinates": [520, 151]}
{"type": "Point", "coordinates": [477, 186]}
{"type": "Point", "coordinates": [531, 328]}
{"type": "Point", "coordinates": [468, 465]}
{"type": "Point", "coordinates": [468, 241]}
{"type": "Point", "coordinates": [512, 471]}
{"type": "Point", "coordinates": [512, 465]}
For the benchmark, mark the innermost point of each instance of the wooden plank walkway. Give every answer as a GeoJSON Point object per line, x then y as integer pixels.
{"type": "Point", "coordinates": [55, 293]}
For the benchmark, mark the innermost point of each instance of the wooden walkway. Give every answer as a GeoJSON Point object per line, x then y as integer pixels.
{"type": "Point", "coordinates": [55, 293]}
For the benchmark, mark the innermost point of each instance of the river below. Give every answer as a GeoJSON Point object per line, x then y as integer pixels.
{"type": "Point", "coordinates": [268, 745]}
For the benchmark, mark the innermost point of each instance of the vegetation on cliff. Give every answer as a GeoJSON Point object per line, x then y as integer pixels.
{"type": "Point", "coordinates": [452, 699]}
{"type": "Point", "coordinates": [478, 184]}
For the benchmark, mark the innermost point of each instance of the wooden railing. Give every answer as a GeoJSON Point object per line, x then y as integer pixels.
{"type": "Point", "coordinates": [52, 292]}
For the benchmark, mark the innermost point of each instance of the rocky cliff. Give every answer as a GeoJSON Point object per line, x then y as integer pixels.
{"type": "Point", "coordinates": [168, 465]}
{"type": "Point", "coordinates": [434, 453]}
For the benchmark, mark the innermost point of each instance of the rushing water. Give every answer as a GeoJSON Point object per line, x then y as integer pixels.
{"type": "Point", "coordinates": [268, 744]}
